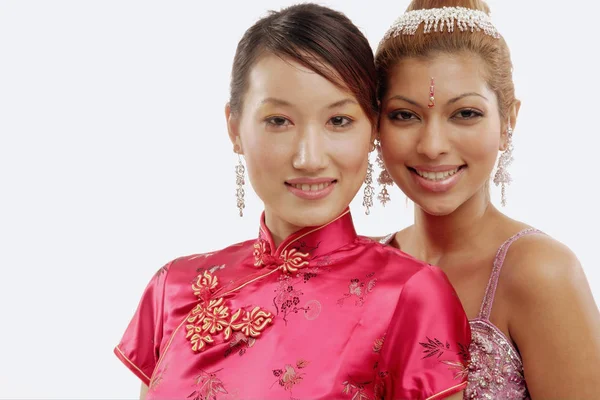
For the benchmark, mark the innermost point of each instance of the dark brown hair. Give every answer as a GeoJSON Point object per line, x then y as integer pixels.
{"type": "Point", "coordinates": [317, 37]}
{"type": "Point", "coordinates": [493, 52]}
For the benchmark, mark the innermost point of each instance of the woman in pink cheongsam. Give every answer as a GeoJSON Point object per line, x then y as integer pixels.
{"type": "Point", "coordinates": [447, 107]}
{"type": "Point", "coordinates": [308, 309]}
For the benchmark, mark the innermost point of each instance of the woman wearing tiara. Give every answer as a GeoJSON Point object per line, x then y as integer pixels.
{"type": "Point", "coordinates": [447, 107]}
{"type": "Point", "coordinates": [308, 309]}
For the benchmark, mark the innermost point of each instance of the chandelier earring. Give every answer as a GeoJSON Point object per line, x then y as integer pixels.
{"type": "Point", "coordinates": [384, 178]}
{"type": "Point", "coordinates": [502, 177]}
{"type": "Point", "coordinates": [240, 181]}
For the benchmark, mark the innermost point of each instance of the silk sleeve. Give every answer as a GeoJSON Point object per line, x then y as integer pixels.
{"type": "Point", "coordinates": [139, 346]}
{"type": "Point", "coordinates": [424, 355]}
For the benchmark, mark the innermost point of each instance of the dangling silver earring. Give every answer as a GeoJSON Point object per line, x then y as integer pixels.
{"type": "Point", "coordinates": [384, 178]}
{"type": "Point", "coordinates": [502, 176]}
{"type": "Point", "coordinates": [240, 181]}
{"type": "Point", "coordinates": [369, 190]}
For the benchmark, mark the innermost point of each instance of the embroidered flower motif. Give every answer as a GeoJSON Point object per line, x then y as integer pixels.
{"type": "Point", "coordinates": [198, 339]}
{"type": "Point", "coordinates": [157, 378]}
{"type": "Point", "coordinates": [239, 342]}
{"type": "Point", "coordinates": [261, 247]}
{"type": "Point", "coordinates": [216, 268]}
{"type": "Point", "coordinates": [293, 260]}
{"type": "Point", "coordinates": [378, 345]}
{"type": "Point", "coordinates": [211, 316]}
{"type": "Point", "coordinates": [217, 317]}
{"type": "Point", "coordinates": [253, 322]}
{"type": "Point", "coordinates": [434, 348]}
{"type": "Point", "coordinates": [461, 370]}
{"type": "Point", "coordinates": [494, 369]}
{"type": "Point", "coordinates": [360, 289]}
{"type": "Point", "coordinates": [357, 390]}
{"type": "Point", "coordinates": [208, 386]}
{"type": "Point", "coordinates": [289, 261]}
{"type": "Point", "coordinates": [288, 376]}
{"type": "Point", "coordinates": [205, 285]}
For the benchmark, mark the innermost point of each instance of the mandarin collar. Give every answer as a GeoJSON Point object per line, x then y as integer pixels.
{"type": "Point", "coordinates": [308, 243]}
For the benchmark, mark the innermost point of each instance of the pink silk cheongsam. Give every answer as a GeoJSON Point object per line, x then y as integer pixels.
{"type": "Point", "coordinates": [326, 315]}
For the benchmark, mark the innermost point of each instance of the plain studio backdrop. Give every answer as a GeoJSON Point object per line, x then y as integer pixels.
{"type": "Point", "coordinates": [114, 159]}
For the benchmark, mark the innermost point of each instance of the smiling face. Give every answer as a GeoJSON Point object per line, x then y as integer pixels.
{"type": "Point", "coordinates": [444, 155]}
{"type": "Point", "coordinates": [305, 142]}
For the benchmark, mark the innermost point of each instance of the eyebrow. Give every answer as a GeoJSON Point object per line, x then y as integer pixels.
{"type": "Point", "coordinates": [342, 103]}
{"type": "Point", "coordinates": [452, 100]}
{"type": "Point", "coordinates": [462, 96]}
{"type": "Point", "coordinates": [275, 101]}
{"type": "Point", "coordinates": [280, 102]}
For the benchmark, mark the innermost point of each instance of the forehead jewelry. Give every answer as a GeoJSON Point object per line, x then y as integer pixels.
{"type": "Point", "coordinates": [431, 94]}
{"type": "Point", "coordinates": [442, 19]}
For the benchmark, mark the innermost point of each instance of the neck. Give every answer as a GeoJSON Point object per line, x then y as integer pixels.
{"type": "Point", "coordinates": [279, 229]}
{"type": "Point", "coordinates": [441, 235]}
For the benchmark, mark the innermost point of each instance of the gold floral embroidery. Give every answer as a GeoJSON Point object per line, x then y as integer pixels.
{"type": "Point", "coordinates": [290, 260]}
{"type": "Point", "coordinates": [211, 316]}
{"type": "Point", "coordinates": [293, 260]}
{"type": "Point", "coordinates": [260, 248]}
{"type": "Point", "coordinates": [205, 282]}
{"type": "Point", "coordinates": [253, 322]}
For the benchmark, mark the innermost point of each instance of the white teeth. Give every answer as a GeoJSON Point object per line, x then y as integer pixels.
{"type": "Point", "coordinates": [311, 188]}
{"type": "Point", "coordinates": [437, 176]}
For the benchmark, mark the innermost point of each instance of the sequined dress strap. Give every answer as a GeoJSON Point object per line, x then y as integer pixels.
{"type": "Point", "coordinates": [490, 291]}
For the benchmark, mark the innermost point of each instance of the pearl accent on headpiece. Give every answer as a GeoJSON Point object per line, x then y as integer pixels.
{"type": "Point", "coordinates": [435, 19]}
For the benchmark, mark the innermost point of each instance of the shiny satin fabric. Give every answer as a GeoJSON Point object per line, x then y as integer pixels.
{"type": "Point", "coordinates": [326, 315]}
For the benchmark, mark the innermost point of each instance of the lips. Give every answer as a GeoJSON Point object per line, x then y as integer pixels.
{"type": "Point", "coordinates": [311, 188]}
{"type": "Point", "coordinates": [437, 176]}
{"type": "Point", "coordinates": [437, 179]}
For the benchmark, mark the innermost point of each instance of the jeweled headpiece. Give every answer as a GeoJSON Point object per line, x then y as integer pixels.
{"type": "Point", "coordinates": [436, 19]}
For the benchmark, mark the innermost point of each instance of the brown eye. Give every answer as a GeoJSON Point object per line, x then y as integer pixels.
{"type": "Point", "coordinates": [402, 115]}
{"type": "Point", "coordinates": [340, 121]}
{"type": "Point", "coordinates": [277, 121]}
{"type": "Point", "coordinates": [468, 114]}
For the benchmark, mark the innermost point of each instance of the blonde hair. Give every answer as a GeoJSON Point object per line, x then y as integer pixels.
{"type": "Point", "coordinates": [492, 51]}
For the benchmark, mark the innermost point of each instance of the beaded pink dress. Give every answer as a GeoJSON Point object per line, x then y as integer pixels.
{"type": "Point", "coordinates": [495, 368]}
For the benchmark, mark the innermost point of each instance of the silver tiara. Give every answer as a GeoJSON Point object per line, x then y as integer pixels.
{"type": "Point", "coordinates": [436, 18]}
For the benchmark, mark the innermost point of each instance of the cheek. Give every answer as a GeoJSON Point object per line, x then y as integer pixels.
{"type": "Point", "coordinates": [351, 154]}
{"type": "Point", "coordinates": [262, 156]}
{"type": "Point", "coordinates": [262, 162]}
{"type": "Point", "coordinates": [480, 148]}
{"type": "Point", "coordinates": [396, 147]}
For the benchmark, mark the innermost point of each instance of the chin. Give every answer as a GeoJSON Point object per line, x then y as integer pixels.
{"type": "Point", "coordinates": [437, 207]}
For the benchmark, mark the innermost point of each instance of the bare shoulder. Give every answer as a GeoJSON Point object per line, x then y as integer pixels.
{"type": "Point", "coordinates": [539, 256]}
{"type": "Point", "coordinates": [552, 312]}
{"type": "Point", "coordinates": [537, 263]}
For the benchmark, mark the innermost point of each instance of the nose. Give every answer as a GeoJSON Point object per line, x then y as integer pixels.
{"type": "Point", "coordinates": [311, 155]}
{"type": "Point", "coordinates": [433, 141]}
